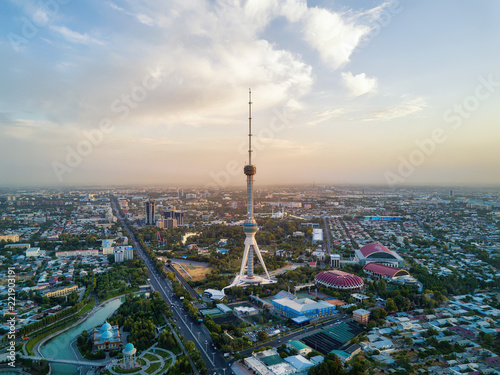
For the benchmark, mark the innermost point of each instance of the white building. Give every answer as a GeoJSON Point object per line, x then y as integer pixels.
{"type": "Point", "coordinates": [317, 235]}
{"type": "Point", "coordinates": [128, 252]}
{"type": "Point", "coordinates": [214, 294]}
{"type": "Point", "coordinates": [119, 255]}
{"type": "Point", "coordinates": [34, 252]}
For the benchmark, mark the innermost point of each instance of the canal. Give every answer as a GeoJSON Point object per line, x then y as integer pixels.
{"type": "Point", "coordinates": [59, 346]}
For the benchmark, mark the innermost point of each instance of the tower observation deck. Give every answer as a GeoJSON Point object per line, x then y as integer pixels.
{"type": "Point", "coordinates": [247, 276]}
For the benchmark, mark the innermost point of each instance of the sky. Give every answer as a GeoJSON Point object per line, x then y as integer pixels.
{"type": "Point", "coordinates": [155, 92]}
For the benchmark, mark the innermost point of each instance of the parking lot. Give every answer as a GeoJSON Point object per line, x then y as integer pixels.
{"type": "Point", "coordinates": [271, 331]}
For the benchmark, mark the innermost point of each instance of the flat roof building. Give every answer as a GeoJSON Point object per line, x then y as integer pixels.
{"type": "Point", "coordinates": [34, 252]}
{"type": "Point", "coordinates": [361, 316]}
{"type": "Point", "coordinates": [303, 307]}
{"type": "Point", "coordinates": [214, 294]}
{"type": "Point", "coordinates": [63, 291]}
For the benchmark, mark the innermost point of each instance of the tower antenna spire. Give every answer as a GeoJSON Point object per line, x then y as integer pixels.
{"type": "Point", "coordinates": [249, 126]}
{"type": "Point", "coordinates": [250, 227]}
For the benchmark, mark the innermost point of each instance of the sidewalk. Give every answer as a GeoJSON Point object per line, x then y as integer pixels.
{"type": "Point", "coordinates": [158, 359]}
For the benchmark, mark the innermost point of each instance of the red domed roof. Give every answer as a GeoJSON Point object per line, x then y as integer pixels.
{"type": "Point", "coordinates": [372, 248]}
{"type": "Point", "coordinates": [339, 279]}
{"type": "Point", "coordinates": [383, 270]}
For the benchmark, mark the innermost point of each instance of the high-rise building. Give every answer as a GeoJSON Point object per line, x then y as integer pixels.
{"type": "Point", "coordinates": [174, 214]}
{"type": "Point", "coordinates": [170, 223]}
{"type": "Point", "coordinates": [246, 275]}
{"type": "Point", "coordinates": [150, 213]}
{"type": "Point", "coordinates": [119, 255]}
{"type": "Point", "coordinates": [128, 253]}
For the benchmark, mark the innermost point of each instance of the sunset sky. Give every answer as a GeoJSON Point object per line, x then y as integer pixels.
{"type": "Point", "coordinates": [156, 92]}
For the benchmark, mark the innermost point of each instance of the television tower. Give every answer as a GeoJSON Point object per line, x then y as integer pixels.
{"type": "Point", "coordinates": [250, 225]}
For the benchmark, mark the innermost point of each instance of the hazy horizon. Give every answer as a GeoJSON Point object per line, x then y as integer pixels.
{"type": "Point", "coordinates": [156, 93]}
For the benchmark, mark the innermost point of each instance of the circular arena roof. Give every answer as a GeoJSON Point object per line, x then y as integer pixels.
{"type": "Point", "coordinates": [339, 279]}
{"type": "Point", "coordinates": [374, 248]}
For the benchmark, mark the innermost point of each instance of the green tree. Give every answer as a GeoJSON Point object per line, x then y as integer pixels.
{"type": "Point", "coordinates": [390, 305]}
{"type": "Point", "coordinates": [262, 336]}
{"type": "Point", "coordinates": [330, 366]}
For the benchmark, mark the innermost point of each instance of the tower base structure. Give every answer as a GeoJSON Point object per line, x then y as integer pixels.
{"type": "Point", "coordinates": [246, 276]}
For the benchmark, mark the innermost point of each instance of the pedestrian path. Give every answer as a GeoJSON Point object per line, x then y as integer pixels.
{"type": "Point", "coordinates": [153, 361]}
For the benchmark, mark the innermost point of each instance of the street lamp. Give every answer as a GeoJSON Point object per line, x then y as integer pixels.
{"type": "Point", "coordinates": [213, 357]}
{"type": "Point", "coordinates": [198, 336]}
{"type": "Point", "coordinates": [191, 326]}
{"type": "Point", "coordinates": [206, 345]}
{"type": "Point", "coordinates": [224, 369]}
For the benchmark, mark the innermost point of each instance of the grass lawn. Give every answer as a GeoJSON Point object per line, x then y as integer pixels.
{"type": "Point", "coordinates": [127, 370]}
{"type": "Point", "coordinates": [153, 367]}
{"type": "Point", "coordinates": [162, 353]}
{"type": "Point", "coordinates": [117, 292]}
{"type": "Point", "coordinates": [87, 307]}
{"type": "Point", "coordinates": [197, 273]}
{"type": "Point", "coordinates": [151, 357]}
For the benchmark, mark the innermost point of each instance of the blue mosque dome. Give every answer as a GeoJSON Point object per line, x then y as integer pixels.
{"type": "Point", "coordinates": [106, 335]}
{"type": "Point", "coordinates": [105, 327]}
{"type": "Point", "coordinates": [129, 349]}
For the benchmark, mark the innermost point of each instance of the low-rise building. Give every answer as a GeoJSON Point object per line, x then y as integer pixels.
{"type": "Point", "coordinates": [302, 348]}
{"type": "Point", "coordinates": [76, 253]}
{"type": "Point", "coordinates": [361, 316]}
{"type": "Point", "coordinates": [62, 291]}
{"type": "Point", "coordinates": [303, 307]}
{"type": "Point", "coordinates": [34, 252]}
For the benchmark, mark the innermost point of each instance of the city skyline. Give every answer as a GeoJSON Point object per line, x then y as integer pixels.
{"type": "Point", "coordinates": [394, 93]}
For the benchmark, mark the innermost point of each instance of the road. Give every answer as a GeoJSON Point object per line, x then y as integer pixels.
{"type": "Point", "coordinates": [326, 220]}
{"type": "Point", "coordinates": [192, 331]}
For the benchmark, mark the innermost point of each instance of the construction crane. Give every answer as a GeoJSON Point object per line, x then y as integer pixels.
{"type": "Point", "coordinates": [161, 242]}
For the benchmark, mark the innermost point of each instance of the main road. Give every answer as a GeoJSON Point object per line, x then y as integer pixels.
{"type": "Point", "coordinates": [192, 331]}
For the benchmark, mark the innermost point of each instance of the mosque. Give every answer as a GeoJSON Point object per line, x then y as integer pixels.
{"type": "Point", "coordinates": [107, 337]}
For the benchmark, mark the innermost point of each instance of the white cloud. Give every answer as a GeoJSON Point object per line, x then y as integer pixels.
{"type": "Point", "coordinates": [290, 148]}
{"type": "Point", "coordinates": [404, 109]}
{"type": "Point", "coordinates": [142, 18]}
{"type": "Point", "coordinates": [334, 35]}
{"type": "Point", "coordinates": [74, 37]}
{"type": "Point", "coordinates": [322, 116]}
{"type": "Point", "coordinates": [210, 53]}
{"type": "Point", "coordinates": [359, 84]}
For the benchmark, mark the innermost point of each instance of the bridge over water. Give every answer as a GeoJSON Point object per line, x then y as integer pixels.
{"type": "Point", "coordinates": [70, 361]}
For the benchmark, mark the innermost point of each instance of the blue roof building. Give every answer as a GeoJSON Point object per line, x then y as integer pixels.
{"type": "Point", "coordinates": [303, 308]}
